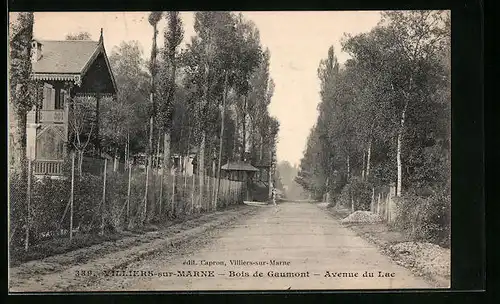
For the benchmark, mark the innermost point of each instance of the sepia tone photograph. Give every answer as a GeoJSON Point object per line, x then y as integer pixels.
{"type": "Point", "coordinates": [229, 151]}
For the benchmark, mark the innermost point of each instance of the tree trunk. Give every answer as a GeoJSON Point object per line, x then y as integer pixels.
{"type": "Point", "coordinates": [348, 169]}
{"type": "Point", "coordinates": [80, 162]}
{"type": "Point", "coordinates": [327, 194]}
{"type": "Point", "coordinates": [236, 146]}
{"type": "Point", "coordinates": [221, 140]}
{"type": "Point", "coordinates": [398, 152]}
{"type": "Point", "coordinates": [164, 167]}
{"type": "Point", "coordinates": [166, 152]}
{"type": "Point", "coordinates": [244, 129]}
{"type": "Point", "coordinates": [18, 145]}
{"type": "Point", "coordinates": [368, 160]}
{"type": "Point", "coordinates": [399, 164]}
{"type": "Point", "coordinates": [364, 164]}
{"type": "Point", "coordinates": [187, 158]}
{"type": "Point", "coordinates": [201, 166]}
{"type": "Point", "coordinates": [172, 202]}
{"type": "Point", "coordinates": [201, 153]}
{"type": "Point", "coordinates": [270, 174]}
{"type": "Point", "coordinates": [261, 147]}
{"type": "Point", "coordinates": [193, 188]}
{"type": "Point", "coordinates": [145, 199]}
{"type": "Point", "coordinates": [115, 160]}
{"type": "Point", "coordinates": [151, 119]}
{"type": "Point", "coordinates": [20, 102]}
{"type": "Point", "coordinates": [213, 179]}
{"type": "Point", "coordinates": [126, 153]}
{"type": "Point", "coordinates": [352, 203]}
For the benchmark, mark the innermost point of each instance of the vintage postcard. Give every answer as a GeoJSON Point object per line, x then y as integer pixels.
{"type": "Point", "coordinates": [224, 151]}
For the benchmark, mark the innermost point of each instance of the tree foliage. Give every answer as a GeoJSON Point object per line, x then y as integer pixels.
{"type": "Point", "coordinates": [228, 43]}
{"type": "Point", "coordinates": [123, 120]}
{"type": "Point", "coordinates": [394, 86]}
{"type": "Point", "coordinates": [79, 36]}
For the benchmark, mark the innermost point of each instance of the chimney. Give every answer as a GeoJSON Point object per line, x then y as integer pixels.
{"type": "Point", "coordinates": [36, 51]}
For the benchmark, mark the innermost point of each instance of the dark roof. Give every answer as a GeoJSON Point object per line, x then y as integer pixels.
{"type": "Point", "coordinates": [263, 164]}
{"type": "Point", "coordinates": [65, 57]}
{"type": "Point", "coordinates": [239, 166]}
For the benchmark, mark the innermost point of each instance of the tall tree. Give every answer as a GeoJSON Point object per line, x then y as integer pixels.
{"type": "Point", "coordinates": [154, 18]}
{"type": "Point", "coordinates": [239, 57]}
{"type": "Point", "coordinates": [385, 116]}
{"type": "Point", "coordinates": [173, 36]}
{"type": "Point", "coordinates": [249, 57]}
{"type": "Point", "coordinates": [123, 121]}
{"type": "Point", "coordinates": [261, 87]}
{"type": "Point", "coordinates": [205, 61]}
{"type": "Point", "coordinates": [415, 37]}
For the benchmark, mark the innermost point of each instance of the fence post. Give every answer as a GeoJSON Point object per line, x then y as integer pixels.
{"type": "Point", "coordinates": [216, 193]}
{"type": "Point", "coordinates": [392, 194]}
{"type": "Point", "coordinates": [230, 194]}
{"type": "Point", "coordinates": [144, 215]}
{"type": "Point", "coordinates": [184, 173]}
{"type": "Point", "coordinates": [104, 196]}
{"type": "Point", "coordinates": [128, 191]}
{"type": "Point", "coordinates": [161, 188]}
{"type": "Point", "coordinates": [28, 207]}
{"type": "Point", "coordinates": [72, 196]}
{"type": "Point", "coordinates": [206, 201]}
{"type": "Point", "coordinates": [172, 207]}
{"type": "Point", "coordinates": [352, 203]}
{"type": "Point", "coordinates": [226, 191]}
{"type": "Point", "coordinates": [193, 188]}
{"type": "Point", "coordinates": [236, 192]}
{"type": "Point", "coordinates": [378, 202]}
{"type": "Point", "coordinates": [372, 204]}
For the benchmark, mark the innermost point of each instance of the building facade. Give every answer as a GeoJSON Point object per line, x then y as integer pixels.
{"type": "Point", "coordinates": [63, 72]}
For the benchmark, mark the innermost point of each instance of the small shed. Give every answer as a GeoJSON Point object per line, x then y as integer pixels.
{"type": "Point", "coordinates": [240, 171]}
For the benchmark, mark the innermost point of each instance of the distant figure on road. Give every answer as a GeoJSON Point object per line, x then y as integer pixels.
{"type": "Point", "coordinates": [274, 192]}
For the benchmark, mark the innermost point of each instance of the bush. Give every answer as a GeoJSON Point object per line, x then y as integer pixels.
{"type": "Point", "coordinates": [425, 218]}
{"type": "Point", "coordinates": [137, 188]}
{"type": "Point", "coordinates": [360, 192]}
{"type": "Point", "coordinates": [87, 201]}
{"type": "Point", "coordinates": [116, 198]}
{"type": "Point", "coordinates": [17, 209]}
{"type": "Point", "coordinates": [50, 198]}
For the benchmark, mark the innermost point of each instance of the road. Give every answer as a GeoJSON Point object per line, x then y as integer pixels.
{"type": "Point", "coordinates": [304, 240]}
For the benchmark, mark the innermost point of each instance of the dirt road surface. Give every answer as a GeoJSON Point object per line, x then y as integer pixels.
{"type": "Point", "coordinates": [310, 248]}
{"type": "Point", "coordinates": [307, 241]}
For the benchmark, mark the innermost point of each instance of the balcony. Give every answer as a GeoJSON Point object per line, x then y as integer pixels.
{"type": "Point", "coordinates": [47, 167]}
{"type": "Point", "coordinates": [46, 116]}
{"type": "Point", "coordinates": [51, 116]}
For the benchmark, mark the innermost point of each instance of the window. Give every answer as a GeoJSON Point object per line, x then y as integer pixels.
{"type": "Point", "coordinates": [48, 97]}
{"type": "Point", "coordinates": [60, 100]}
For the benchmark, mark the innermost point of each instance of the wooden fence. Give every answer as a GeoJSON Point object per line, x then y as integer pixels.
{"type": "Point", "coordinates": [382, 202]}
{"type": "Point", "coordinates": [115, 197]}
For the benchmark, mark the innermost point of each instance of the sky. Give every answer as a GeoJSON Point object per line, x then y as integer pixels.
{"type": "Point", "coordinates": [297, 42]}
